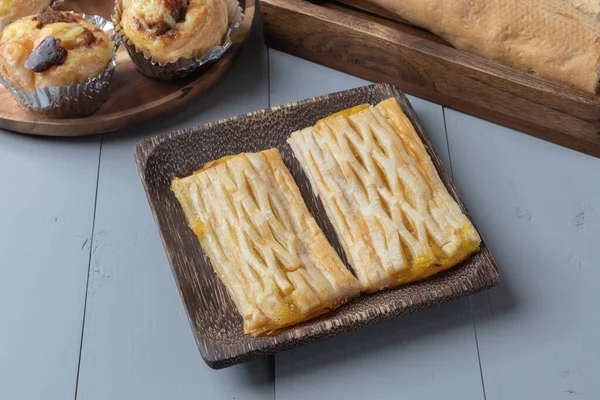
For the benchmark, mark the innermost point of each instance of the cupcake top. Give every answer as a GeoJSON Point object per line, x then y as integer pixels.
{"type": "Point", "coordinates": [53, 48]}
{"type": "Point", "coordinates": [14, 9]}
{"type": "Point", "coordinates": [168, 30]}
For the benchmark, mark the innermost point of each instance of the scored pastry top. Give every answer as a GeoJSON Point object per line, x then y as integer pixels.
{"type": "Point", "coordinates": [263, 243]}
{"type": "Point", "coordinates": [168, 30]}
{"type": "Point", "coordinates": [393, 215]}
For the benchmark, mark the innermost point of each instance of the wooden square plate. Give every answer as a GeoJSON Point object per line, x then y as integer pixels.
{"type": "Point", "coordinates": [215, 322]}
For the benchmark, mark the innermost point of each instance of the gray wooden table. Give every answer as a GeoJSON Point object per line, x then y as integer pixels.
{"type": "Point", "coordinates": [89, 308]}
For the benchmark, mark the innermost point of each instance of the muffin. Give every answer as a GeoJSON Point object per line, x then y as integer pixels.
{"type": "Point", "coordinates": [160, 33]}
{"type": "Point", "coordinates": [11, 10]}
{"type": "Point", "coordinates": [54, 49]}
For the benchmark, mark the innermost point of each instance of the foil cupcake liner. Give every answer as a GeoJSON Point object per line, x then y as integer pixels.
{"type": "Point", "coordinates": [78, 99]}
{"type": "Point", "coordinates": [183, 67]}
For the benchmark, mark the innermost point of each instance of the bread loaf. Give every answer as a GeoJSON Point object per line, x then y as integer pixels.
{"type": "Point", "coordinates": [549, 38]}
{"type": "Point", "coordinates": [589, 7]}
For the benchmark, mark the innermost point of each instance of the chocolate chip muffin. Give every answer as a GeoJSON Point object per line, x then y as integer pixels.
{"type": "Point", "coordinates": [53, 48]}
{"type": "Point", "coordinates": [167, 30]}
{"type": "Point", "coordinates": [58, 64]}
{"type": "Point", "coordinates": [11, 10]}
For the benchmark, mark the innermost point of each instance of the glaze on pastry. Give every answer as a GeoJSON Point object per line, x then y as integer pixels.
{"type": "Point", "coordinates": [53, 48]}
{"type": "Point", "coordinates": [11, 10]}
{"type": "Point", "coordinates": [390, 209]}
{"type": "Point", "coordinates": [263, 243]}
{"type": "Point", "coordinates": [167, 30]}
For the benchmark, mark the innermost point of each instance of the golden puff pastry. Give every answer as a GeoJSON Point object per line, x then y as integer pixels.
{"type": "Point", "coordinates": [167, 30]}
{"type": "Point", "coordinates": [263, 243]}
{"type": "Point", "coordinates": [53, 48]}
{"type": "Point", "coordinates": [11, 10]}
{"type": "Point", "coordinates": [391, 211]}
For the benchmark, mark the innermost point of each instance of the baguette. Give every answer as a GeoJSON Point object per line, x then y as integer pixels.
{"type": "Point", "coordinates": [549, 38]}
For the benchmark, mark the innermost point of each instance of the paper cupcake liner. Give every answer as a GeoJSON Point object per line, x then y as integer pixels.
{"type": "Point", "coordinates": [183, 67]}
{"type": "Point", "coordinates": [78, 99]}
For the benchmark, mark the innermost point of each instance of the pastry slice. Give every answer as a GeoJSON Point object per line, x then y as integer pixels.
{"type": "Point", "coordinates": [391, 211]}
{"type": "Point", "coordinates": [263, 243]}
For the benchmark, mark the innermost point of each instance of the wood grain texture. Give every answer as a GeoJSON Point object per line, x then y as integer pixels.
{"type": "Point", "coordinates": [134, 98]}
{"type": "Point", "coordinates": [137, 342]}
{"type": "Point", "coordinates": [371, 8]}
{"type": "Point", "coordinates": [375, 15]}
{"type": "Point", "coordinates": [538, 207]}
{"type": "Point", "coordinates": [214, 320]}
{"type": "Point", "coordinates": [429, 355]}
{"type": "Point", "coordinates": [46, 216]}
{"type": "Point", "coordinates": [371, 48]}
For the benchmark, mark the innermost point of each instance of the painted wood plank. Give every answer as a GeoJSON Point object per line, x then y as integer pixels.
{"type": "Point", "coordinates": [538, 207]}
{"type": "Point", "coordinates": [428, 355]}
{"type": "Point", "coordinates": [137, 339]}
{"type": "Point", "coordinates": [46, 215]}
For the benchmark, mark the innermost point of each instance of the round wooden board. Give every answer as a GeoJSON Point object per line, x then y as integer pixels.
{"type": "Point", "coordinates": [134, 97]}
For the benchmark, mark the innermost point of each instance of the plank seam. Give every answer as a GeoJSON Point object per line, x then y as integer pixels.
{"type": "Point", "coordinates": [447, 142]}
{"type": "Point", "coordinates": [470, 298]}
{"type": "Point", "coordinates": [477, 345]}
{"type": "Point", "coordinates": [269, 77]}
{"type": "Point", "coordinates": [87, 283]}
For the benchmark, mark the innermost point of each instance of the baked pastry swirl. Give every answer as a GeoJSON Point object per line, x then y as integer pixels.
{"type": "Point", "coordinates": [53, 48]}
{"type": "Point", "coordinates": [263, 243]}
{"type": "Point", "coordinates": [390, 209]}
{"type": "Point", "coordinates": [11, 10]}
{"type": "Point", "coordinates": [167, 30]}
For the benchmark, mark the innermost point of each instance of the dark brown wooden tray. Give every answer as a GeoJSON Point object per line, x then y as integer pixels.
{"type": "Point", "coordinates": [371, 44]}
{"type": "Point", "coordinates": [215, 322]}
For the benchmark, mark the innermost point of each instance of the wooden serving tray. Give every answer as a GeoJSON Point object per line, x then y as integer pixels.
{"type": "Point", "coordinates": [134, 97]}
{"type": "Point", "coordinates": [370, 44]}
{"type": "Point", "coordinates": [217, 326]}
